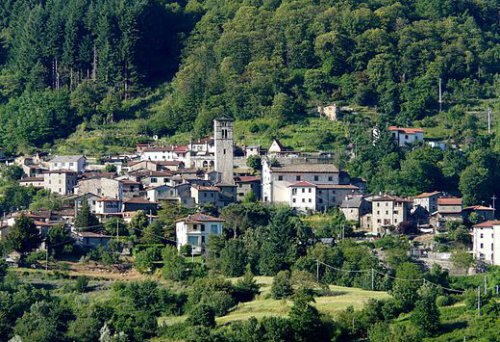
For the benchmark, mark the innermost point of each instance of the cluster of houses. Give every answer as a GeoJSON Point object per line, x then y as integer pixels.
{"type": "Point", "coordinates": [214, 172]}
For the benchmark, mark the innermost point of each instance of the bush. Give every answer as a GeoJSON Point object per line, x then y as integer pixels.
{"type": "Point", "coordinates": [186, 250]}
{"type": "Point", "coordinates": [282, 286]}
{"type": "Point", "coordinates": [203, 315]}
{"type": "Point", "coordinates": [444, 300]}
{"type": "Point", "coordinates": [81, 284]}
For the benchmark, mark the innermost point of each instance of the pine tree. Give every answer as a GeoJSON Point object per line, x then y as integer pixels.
{"type": "Point", "coordinates": [23, 237]}
{"type": "Point", "coordinates": [85, 220]}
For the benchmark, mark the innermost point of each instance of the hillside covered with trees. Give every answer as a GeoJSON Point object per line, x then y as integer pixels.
{"type": "Point", "coordinates": [95, 61]}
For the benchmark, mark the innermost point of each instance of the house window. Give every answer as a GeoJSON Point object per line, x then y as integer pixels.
{"type": "Point", "coordinates": [303, 200]}
{"type": "Point", "coordinates": [214, 229]}
{"type": "Point", "coordinates": [303, 190]}
{"type": "Point", "coordinates": [310, 190]}
{"type": "Point", "coordinates": [280, 178]}
{"type": "Point", "coordinates": [481, 245]}
{"type": "Point", "coordinates": [224, 151]}
{"type": "Point", "coordinates": [406, 136]}
{"type": "Point", "coordinates": [202, 240]}
{"type": "Point", "coordinates": [294, 191]}
{"type": "Point", "coordinates": [378, 204]}
{"type": "Point", "coordinates": [320, 200]}
{"type": "Point", "coordinates": [330, 179]}
{"type": "Point", "coordinates": [193, 240]}
{"type": "Point", "coordinates": [204, 194]}
{"type": "Point", "coordinates": [316, 178]}
{"type": "Point", "coordinates": [310, 200]}
{"type": "Point", "coordinates": [154, 180]}
{"type": "Point", "coordinates": [202, 227]}
{"type": "Point", "coordinates": [195, 226]}
{"type": "Point", "coordinates": [378, 220]}
{"type": "Point", "coordinates": [387, 212]}
{"type": "Point", "coordinates": [293, 200]}
{"type": "Point", "coordinates": [297, 178]}
{"type": "Point", "coordinates": [378, 212]}
{"type": "Point", "coordinates": [481, 235]}
{"type": "Point", "coordinates": [320, 192]}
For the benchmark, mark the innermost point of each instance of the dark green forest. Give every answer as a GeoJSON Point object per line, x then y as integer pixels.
{"type": "Point", "coordinates": [68, 62]}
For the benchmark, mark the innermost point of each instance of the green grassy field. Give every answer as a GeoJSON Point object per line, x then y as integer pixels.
{"type": "Point", "coordinates": [263, 306]}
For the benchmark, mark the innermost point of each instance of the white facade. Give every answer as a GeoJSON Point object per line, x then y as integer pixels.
{"type": "Point", "coordinates": [168, 153]}
{"type": "Point", "coordinates": [71, 163]}
{"type": "Point", "coordinates": [224, 156]}
{"type": "Point", "coordinates": [277, 180]}
{"type": "Point", "coordinates": [303, 196]}
{"type": "Point", "coordinates": [108, 206]}
{"type": "Point", "coordinates": [405, 136]}
{"type": "Point", "coordinates": [486, 242]}
{"type": "Point", "coordinates": [428, 201]}
{"type": "Point", "coordinates": [195, 230]}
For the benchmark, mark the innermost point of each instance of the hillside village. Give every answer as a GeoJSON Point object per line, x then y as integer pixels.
{"type": "Point", "coordinates": [213, 173]}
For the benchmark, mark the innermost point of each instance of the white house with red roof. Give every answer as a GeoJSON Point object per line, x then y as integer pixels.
{"type": "Point", "coordinates": [427, 200]}
{"type": "Point", "coordinates": [405, 135]}
{"type": "Point", "coordinates": [486, 242]}
{"type": "Point", "coordinates": [306, 187]}
{"type": "Point", "coordinates": [195, 230]}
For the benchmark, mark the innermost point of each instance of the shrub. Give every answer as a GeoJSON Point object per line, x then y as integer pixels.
{"type": "Point", "coordinates": [282, 286]}
{"type": "Point", "coordinates": [444, 300]}
{"type": "Point", "coordinates": [203, 315]}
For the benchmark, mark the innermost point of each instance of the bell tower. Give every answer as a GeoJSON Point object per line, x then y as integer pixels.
{"type": "Point", "coordinates": [223, 136]}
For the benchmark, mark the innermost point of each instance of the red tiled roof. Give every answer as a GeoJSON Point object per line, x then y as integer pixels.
{"type": "Point", "coordinates": [205, 188]}
{"type": "Point", "coordinates": [338, 186]}
{"type": "Point", "coordinates": [450, 201]}
{"type": "Point", "coordinates": [406, 130]}
{"type": "Point", "coordinates": [138, 200]}
{"type": "Point", "coordinates": [108, 199]}
{"type": "Point", "coordinates": [302, 184]}
{"type": "Point", "coordinates": [487, 224]}
{"type": "Point", "coordinates": [199, 218]}
{"type": "Point", "coordinates": [478, 207]}
{"type": "Point", "coordinates": [428, 194]}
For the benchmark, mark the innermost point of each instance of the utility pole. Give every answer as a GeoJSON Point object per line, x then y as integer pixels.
{"type": "Point", "coordinates": [373, 279]}
{"type": "Point", "coordinates": [489, 119]}
{"type": "Point", "coordinates": [317, 271]}
{"type": "Point", "coordinates": [494, 198]}
{"type": "Point", "coordinates": [46, 256]}
{"type": "Point", "coordinates": [440, 96]}
{"type": "Point", "coordinates": [485, 288]}
{"type": "Point", "coordinates": [117, 229]}
{"type": "Point", "coordinates": [479, 301]}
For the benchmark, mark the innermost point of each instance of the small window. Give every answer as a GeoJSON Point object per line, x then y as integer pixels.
{"type": "Point", "coordinates": [280, 178]}
{"type": "Point", "coordinates": [193, 240]}
{"type": "Point", "coordinates": [481, 245]}
{"type": "Point", "coordinates": [378, 212]}
{"type": "Point", "coordinates": [310, 190]}
{"type": "Point", "coordinates": [214, 229]}
{"type": "Point", "coordinates": [303, 190]}
{"type": "Point", "coordinates": [387, 212]}
{"type": "Point", "coordinates": [303, 200]}
{"type": "Point", "coordinates": [297, 178]}
{"type": "Point", "coordinates": [310, 200]}
{"type": "Point", "coordinates": [316, 178]}
{"type": "Point", "coordinates": [202, 227]}
{"type": "Point", "coordinates": [378, 220]}
{"type": "Point", "coordinates": [330, 179]}
{"type": "Point", "coordinates": [293, 200]}
{"type": "Point", "coordinates": [481, 235]}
